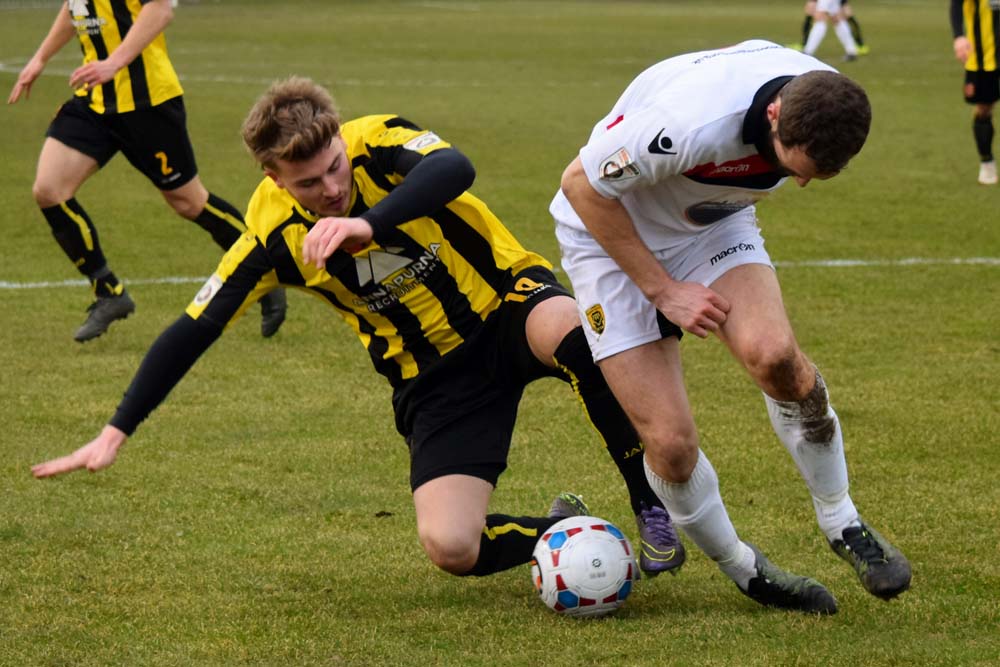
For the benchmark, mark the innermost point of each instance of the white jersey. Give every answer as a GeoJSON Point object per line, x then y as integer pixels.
{"type": "Point", "coordinates": [679, 148]}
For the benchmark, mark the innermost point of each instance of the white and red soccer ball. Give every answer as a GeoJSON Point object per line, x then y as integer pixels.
{"type": "Point", "coordinates": [584, 566]}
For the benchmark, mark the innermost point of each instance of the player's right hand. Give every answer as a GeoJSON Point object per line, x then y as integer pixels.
{"type": "Point", "coordinates": [329, 234]}
{"type": "Point", "coordinates": [693, 307]}
{"type": "Point", "coordinates": [962, 48]}
{"type": "Point", "coordinates": [96, 455]}
{"type": "Point", "coordinates": [27, 77]}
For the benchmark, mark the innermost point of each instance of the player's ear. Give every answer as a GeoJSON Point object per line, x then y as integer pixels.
{"type": "Point", "coordinates": [774, 112]}
{"type": "Point", "coordinates": [274, 176]}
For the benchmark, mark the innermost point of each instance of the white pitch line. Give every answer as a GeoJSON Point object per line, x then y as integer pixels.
{"type": "Point", "coordinates": [15, 67]}
{"type": "Point", "coordinates": [906, 261]}
{"type": "Point", "coordinates": [817, 263]}
{"type": "Point", "coordinates": [169, 280]}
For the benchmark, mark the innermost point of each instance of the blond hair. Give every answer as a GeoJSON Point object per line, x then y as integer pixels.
{"type": "Point", "coordinates": [294, 120]}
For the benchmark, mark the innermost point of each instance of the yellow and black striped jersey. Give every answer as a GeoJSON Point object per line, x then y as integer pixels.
{"type": "Point", "coordinates": [979, 21]}
{"type": "Point", "coordinates": [412, 299]}
{"type": "Point", "coordinates": [150, 79]}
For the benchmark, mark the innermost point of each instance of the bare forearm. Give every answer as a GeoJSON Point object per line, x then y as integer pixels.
{"type": "Point", "coordinates": [152, 19]}
{"type": "Point", "coordinates": [610, 225]}
{"type": "Point", "coordinates": [61, 32]}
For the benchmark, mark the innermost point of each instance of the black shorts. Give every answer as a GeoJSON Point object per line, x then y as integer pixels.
{"type": "Point", "coordinates": [982, 87]}
{"type": "Point", "coordinates": [154, 140]}
{"type": "Point", "coordinates": [458, 416]}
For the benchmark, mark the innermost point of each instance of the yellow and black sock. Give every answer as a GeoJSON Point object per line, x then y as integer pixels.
{"type": "Point", "coordinates": [222, 220]}
{"type": "Point", "coordinates": [507, 542]}
{"type": "Point", "coordinates": [574, 359]}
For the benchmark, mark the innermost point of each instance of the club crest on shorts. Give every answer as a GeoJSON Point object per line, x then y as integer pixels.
{"type": "Point", "coordinates": [595, 317]}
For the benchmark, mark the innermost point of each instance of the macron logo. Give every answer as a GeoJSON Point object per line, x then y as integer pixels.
{"type": "Point", "coordinates": [729, 169]}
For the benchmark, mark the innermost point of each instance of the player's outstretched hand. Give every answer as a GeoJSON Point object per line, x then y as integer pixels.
{"type": "Point", "coordinates": [97, 454]}
{"type": "Point", "coordinates": [329, 234]}
{"type": "Point", "coordinates": [27, 77]}
{"type": "Point", "coordinates": [693, 307]}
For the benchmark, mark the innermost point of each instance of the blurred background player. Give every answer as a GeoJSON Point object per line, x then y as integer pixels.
{"type": "Point", "coordinates": [128, 98]}
{"type": "Point", "coordinates": [975, 25]}
{"type": "Point", "coordinates": [373, 217]}
{"type": "Point", "coordinates": [846, 12]}
{"type": "Point", "coordinates": [825, 12]}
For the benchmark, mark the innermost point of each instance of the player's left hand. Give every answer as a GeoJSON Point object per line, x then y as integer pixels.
{"type": "Point", "coordinates": [329, 234]}
{"type": "Point", "coordinates": [92, 74]}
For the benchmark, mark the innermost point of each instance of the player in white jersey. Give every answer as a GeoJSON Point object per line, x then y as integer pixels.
{"type": "Point", "coordinates": [658, 231]}
{"type": "Point", "coordinates": [831, 11]}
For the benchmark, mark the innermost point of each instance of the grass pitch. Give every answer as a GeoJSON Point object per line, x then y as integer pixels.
{"type": "Point", "coordinates": [262, 515]}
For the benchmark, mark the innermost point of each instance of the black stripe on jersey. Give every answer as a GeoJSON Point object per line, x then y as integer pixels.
{"type": "Point", "coordinates": [471, 246]}
{"type": "Point", "coordinates": [402, 122]}
{"type": "Point", "coordinates": [377, 345]}
{"type": "Point", "coordinates": [101, 51]}
{"type": "Point", "coordinates": [360, 206]}
{"type": "Point", "coordinates": [414, 341]}
{"type": "Point", "coordinates": [136, 68]}
{"type": "Point", "coordinates": [382, 161]}
{"type": "Point", "coordinates": [455, 303]}
{"type": "Point", "coordinates": [438, 281]}
{"type": "Point", "coordinates": [391, 160]}
{"type": "Point", "coordinates": [282, 258]}
{"type": "Point", "coordinates": [764, 181]}
{"type": "Point", "coordinates": [995, 25]}
{"type": "Point", "coordinates": [977, 30]}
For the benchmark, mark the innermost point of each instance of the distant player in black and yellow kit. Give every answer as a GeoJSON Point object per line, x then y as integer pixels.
{"type": "Point", "coordinates": [128, 99]}
{"type": "Point", "coordinates": [373, 217]}
{"type": "Point", "coordinates": [975, 25]}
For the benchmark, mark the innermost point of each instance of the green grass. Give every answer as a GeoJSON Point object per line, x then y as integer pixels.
{"type": "Point", "coordinates": [262, 515]}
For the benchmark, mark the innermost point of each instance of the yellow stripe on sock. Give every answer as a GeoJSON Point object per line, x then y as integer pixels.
{"type": "Point", "coordinates": [496, 531]}
{"type": "Point", "coordinates": [574, 382]}
{"type": "Point", "coordinates": [88, 240]}
{"type": "Point", "coordinates": [233, 221]}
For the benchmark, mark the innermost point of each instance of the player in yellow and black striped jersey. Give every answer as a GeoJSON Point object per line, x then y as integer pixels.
{"type": "Point", "coordinates": [975, 26]}
{"type": "Point", "coordinates": [374, 218]}
{"type": "Point", "coordinates": [128, 98]}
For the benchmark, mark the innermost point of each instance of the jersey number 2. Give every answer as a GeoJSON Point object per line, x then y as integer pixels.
{"type": "Point", "coordinates": [164, 167]}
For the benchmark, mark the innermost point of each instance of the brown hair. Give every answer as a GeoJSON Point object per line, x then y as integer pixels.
{"type": "Point", "coordinates": [295, 119]}
{"type": "Point", "coordinates": [827, 115]}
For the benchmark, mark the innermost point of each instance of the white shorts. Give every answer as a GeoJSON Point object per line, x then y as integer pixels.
{"type": "Point", "coordinates": [831, 7]}
{"type": "Point", "coordinates": [616, 315]}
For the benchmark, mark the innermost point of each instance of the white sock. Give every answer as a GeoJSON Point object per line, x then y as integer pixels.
{"type": "Point", "coordinates": [816, 35]}
{"type": "Point", "coordinates": [810, 431]}
{"type": "Point", "coordinates": [843, 33]}
{"type": "Point", "coordinates": [696, 508]}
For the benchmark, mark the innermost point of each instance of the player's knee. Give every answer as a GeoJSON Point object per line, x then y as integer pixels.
{"type": "Point", "coordinates": [47, 194]}
{"type": "Point", "coordinates": [452, 553]}
{"type": "Point", "coordinates": [184, 207]}
{"type": "Point", "coordinates": [672, 451]}
{"type": "Point", "coordinates": [777, 364]}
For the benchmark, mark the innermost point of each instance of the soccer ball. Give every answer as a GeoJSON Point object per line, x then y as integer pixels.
{"type": "Point", "coordinates": [583, 566]}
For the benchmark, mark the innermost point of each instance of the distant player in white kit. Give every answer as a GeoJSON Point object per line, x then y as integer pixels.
{"type": "Point", "coordinates": [830, 11]}
{"type": "Point", "coordinates": [658, 230]}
